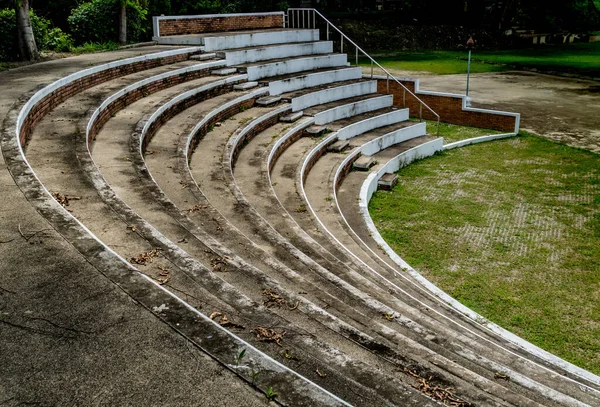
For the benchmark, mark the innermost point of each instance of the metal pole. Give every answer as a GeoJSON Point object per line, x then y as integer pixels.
{"type": "Point", "coordinates": [371, 69]}
{"type": "Point", "coordinates": [421, 111]}
{"type": "Point", "coordinates": [327, 31]}
{"type": "Point", "coordinates": [468, 72]}
{"type": "Point", "coordinates": [403, 97]}
{"type": "Point", "coordinates": [342, 51]}
{"type": "Point", "coordinates": [388, 83]}
{"type": "Point", "coordinates": [357, 56]}
{"type": "Point", "coordinates": [314, 19]}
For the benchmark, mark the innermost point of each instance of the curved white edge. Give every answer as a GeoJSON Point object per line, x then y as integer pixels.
{"type": "Point", "coordinates": [373, 122]}
{"type": "Point", "coordinates": [313, 79]}
{"type": "Point", "coordinates": [354, 108]}
{"type": "Point", "coordinates": [369, 186]}
{"type": "Point", "coordinates": [332, 94]}
{"type": "Point", "coordinates": [234, 141]}
{"type": "Point", "coordinates": [475, 140]}
{"type": "Point", "coordinates": [518, 378]}
{"type": "Point", "coordinates": [302, 125]}
{"type": "Point", "coordinates": [213, 113]}
{"type": "Point", "coordinates": [20, 118]}
{"type": "Point", "coordinates": [464, 98]}
{"type": "Point", "coordinates": [143, 82]}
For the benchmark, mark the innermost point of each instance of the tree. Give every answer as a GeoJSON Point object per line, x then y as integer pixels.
{"type": "Point", "coordinates": [27, 47]}
{"type": "Point", "coordinates": [123, 22]}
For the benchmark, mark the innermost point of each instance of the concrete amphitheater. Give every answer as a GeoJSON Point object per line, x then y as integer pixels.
{"type": "Point", "coordinates": [185, 224]}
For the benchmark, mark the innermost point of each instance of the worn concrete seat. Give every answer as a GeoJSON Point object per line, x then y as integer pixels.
{"type": "Point", "coordinates": [243, 233]}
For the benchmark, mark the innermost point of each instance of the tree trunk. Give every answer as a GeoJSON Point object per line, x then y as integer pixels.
{"type": "Point", "coordinates": [123, 23]}
{"type": "Point", "coordinates": [27, 48]}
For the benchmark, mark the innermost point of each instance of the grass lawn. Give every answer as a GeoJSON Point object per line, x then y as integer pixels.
{"type": "Point", "coordinates": [575, 58]}
{"type": "Point", "coordinates": [452, 132]}
{"type": "Point", "coordinates": [511, 229]}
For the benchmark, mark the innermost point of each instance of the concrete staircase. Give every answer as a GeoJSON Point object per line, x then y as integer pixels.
{"type": "Point", "coordinates": [242, 231]}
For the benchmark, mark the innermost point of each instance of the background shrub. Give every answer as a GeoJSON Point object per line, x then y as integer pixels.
{"type": "Point", "coordinates": [98, 21]}
{"type": "Point", "coordinates": [46, 38]}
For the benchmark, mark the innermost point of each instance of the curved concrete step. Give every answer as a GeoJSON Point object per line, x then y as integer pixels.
{"type": "Point", "coordinates": [179, 314]}
{"type": "Point", "coordinates": [233, 40]}
{"type": "Point", "coordinates": [131, 220]}
{"type": "Point", "coordinates": [309, 80]}
{"type": "Point", "coordinates": [294, 65]}
{"type": "Point", "coordinates": [250, 55]}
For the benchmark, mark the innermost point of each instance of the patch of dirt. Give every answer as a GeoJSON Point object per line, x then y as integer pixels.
{"type": "Point", "coordinates": [559, 108]}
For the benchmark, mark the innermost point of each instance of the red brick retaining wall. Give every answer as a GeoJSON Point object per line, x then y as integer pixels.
{"type": "Point", "coordinates": [450, 108]}
{"type": "Point", "coordinates": [217, 23]}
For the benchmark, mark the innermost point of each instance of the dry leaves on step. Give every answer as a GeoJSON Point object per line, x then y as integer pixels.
{"type": "Point", "coordinates": [219, 264]}
{"type": "Point", "coordinates": [268, 335]}
{"type": "Point", "coordinates": [437, 393]}
{"type": "Point", "coordinates": [164, 276]}
{"type": "Point", "coordinates": [222, 320]}
{"type": "Point", "coordinates": [272, 298]}
{"type": "Point", "coordinates": [145, 258]}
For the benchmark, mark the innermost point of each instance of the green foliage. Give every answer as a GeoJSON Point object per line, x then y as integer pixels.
{"type": "Point", "coordinates": [46, 38]}
{"type": "Point", "coordinates": [57, 40]}
{"type": "Point", "coordinates": [89, 47]}
{"type": "Point", "coordinates": [98, 21]}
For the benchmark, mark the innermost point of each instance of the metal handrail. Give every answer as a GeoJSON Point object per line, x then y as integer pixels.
{"type": "Point", "coordinates": [297, 15]}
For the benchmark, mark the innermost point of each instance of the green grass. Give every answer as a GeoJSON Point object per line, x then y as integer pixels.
{"type": "Point", "coordinates": [90, 47]}
{"type": "Point", "coordinates": [581, 58]}
{"type": "Point", "coordinates": [452, 132]}
{"type": "Point", "coordinates": [511, 229]}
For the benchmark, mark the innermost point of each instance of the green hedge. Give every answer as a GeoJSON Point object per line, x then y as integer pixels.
{"type": "Point", "coordinates": [98, 21]}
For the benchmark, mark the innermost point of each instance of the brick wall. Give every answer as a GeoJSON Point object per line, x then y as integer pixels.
{"type": "Point", "coordinates": [448, 107]}
{"type": "Point", "coordinates": [231, 22]}
{"type": "Point", "coordinates": [61, 94]}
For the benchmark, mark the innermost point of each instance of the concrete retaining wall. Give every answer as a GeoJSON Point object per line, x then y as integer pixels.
{"type": "Point", "coordinates": [258, 39]}
{"type": "Point", "coordinates": [276, 52]}
{"type": "Point", "coordinates": [352, 109]}
{"type": "Point", "coordinates": [178, 25]}
{"type": "Point", "coordinates": [333, 94]}
{"type": "Point", "coordinates": [371, 123]}
{"type": "Point", "coordinates": [295, 65]}
{"type": "Point", "coordinates": [314, 79]}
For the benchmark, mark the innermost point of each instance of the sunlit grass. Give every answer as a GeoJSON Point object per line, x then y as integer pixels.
{"type": "Point", "coordinates": [581, 58]}
{"type": "Point", "coordinates": [511, 229]}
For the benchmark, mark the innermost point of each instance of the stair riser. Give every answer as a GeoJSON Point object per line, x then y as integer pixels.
{"type": "Point", "coordinates": [333, 94]}
{"type": "Point", "coordinates": [276, 52]}
{"type": "Point", "coordinates": [390, 139]}
{"type": "Point", "coordinates": [295, 65]}
{"type": "Point", "coordinates": [373, 123]}
{"type": "Point", "coordinates": [352, 109]}
{"type": "Point", "coordinates": [259, 39]}
{"type": "Point", "coordinates": [314, 79]}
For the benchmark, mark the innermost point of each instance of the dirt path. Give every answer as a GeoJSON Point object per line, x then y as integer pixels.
{"type": "Point", "coordinates": [563, 109]}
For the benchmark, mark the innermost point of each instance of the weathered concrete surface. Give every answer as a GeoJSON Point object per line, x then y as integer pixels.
{"type": "Point", "coordinates": [71, 337]}
{"type": "Point", "coordinates": [563, 109]}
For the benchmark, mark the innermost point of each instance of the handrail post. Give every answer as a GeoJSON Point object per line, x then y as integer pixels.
{"type": "Point", "coordinates": [421, 111]}
{"type": "Point", "coordinates": [403, 97]}
{"type": "Point", "coordinates": [387, 83]}
{"type": "Point", "coordinates": [314, 19]}
{"type": "Point", "coordinates": [342, 48]}
{"type": "Point", "coordinates": [327, 31]}
{"type": "Point", "coordinates": [356, 56]}
{"type": "Point", "coordinates": [371, 69]}
{"type": "Point", "coordinates": [302, 12]}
